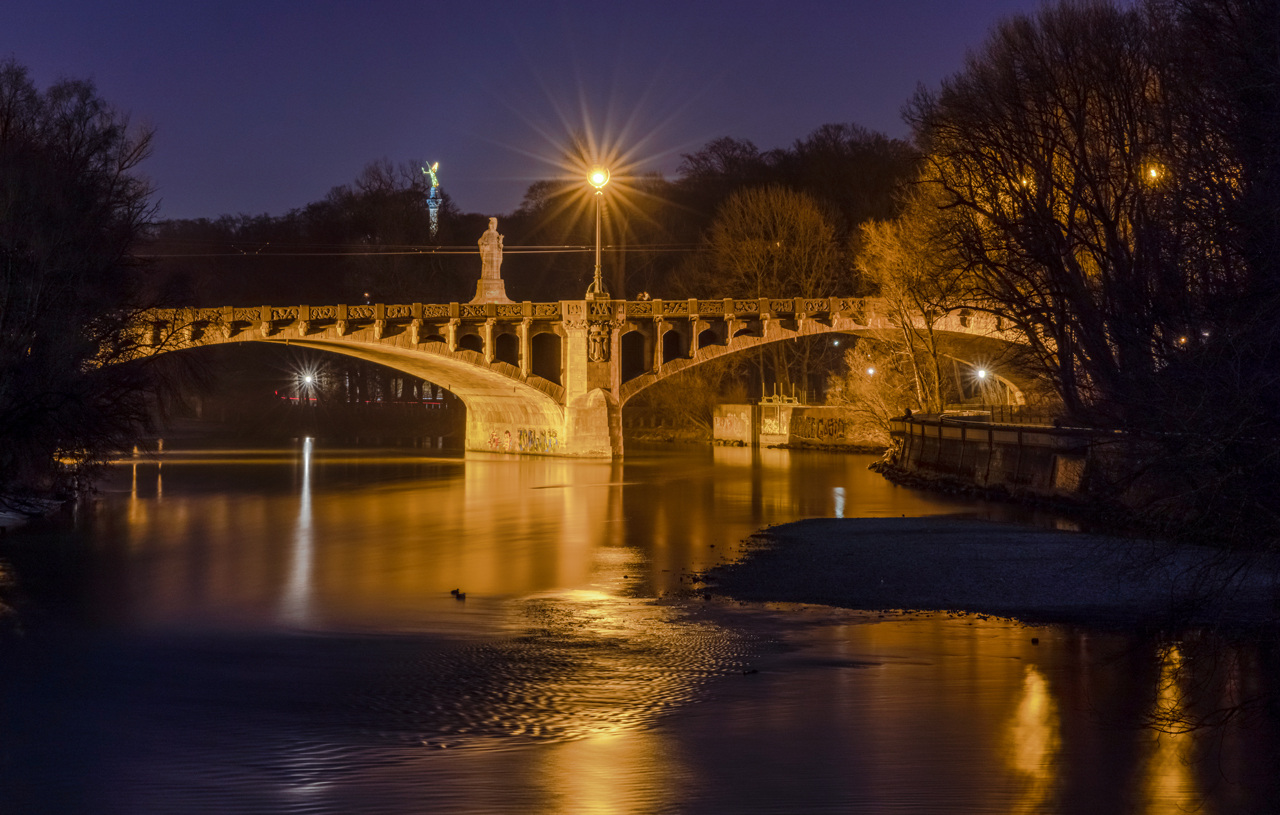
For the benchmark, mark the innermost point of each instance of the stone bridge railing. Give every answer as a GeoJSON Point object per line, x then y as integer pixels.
{"type": "Point", "coordinates": [424, 319]}
{"type": "Point", "coordinates": [447, 321]}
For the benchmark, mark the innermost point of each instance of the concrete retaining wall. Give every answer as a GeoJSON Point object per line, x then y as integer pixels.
{"type": "Point", "coordinates": [823, 427]}
{"type": "Point", "coordinates": [1040, 460]}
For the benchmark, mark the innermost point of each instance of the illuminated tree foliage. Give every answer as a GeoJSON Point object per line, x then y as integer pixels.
{"type": "Point", "coordinates": [1109, 178]}
{"type": "Point", "coordinates": [71, 208]}
{"type": "Point", "coordinates": [877, 384]}
{"type": "Point", "coordinates": [906, 260]}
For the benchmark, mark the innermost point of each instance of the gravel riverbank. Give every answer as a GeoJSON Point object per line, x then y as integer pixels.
{"type": "Point", "coordinates": [1034, 574]}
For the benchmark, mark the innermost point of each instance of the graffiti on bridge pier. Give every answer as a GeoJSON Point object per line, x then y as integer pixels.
{"type": "Point", "coordinates": [829, 429]}
{"type": "Point", "coordinates": [525, 441]}
{"type": "Point", "coordinates": [731, 426]}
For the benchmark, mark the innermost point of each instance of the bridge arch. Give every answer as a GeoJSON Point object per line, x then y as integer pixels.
{"type": "Point", "coordinates": [503, 405]}
{"type": "Point", "coordinates": [635, 354]}
{"type": "Point", "coordinates": [967, 349]}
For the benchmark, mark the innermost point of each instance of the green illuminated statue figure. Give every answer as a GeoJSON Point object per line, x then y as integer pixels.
{"type": "Point", "coordinates": [433, 197]}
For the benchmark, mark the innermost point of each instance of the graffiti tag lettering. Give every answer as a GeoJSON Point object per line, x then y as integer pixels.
{"type": "Point", "coordinates": [730, 426]}
{"type": "Point", "coordinates": [525, 441]}
{"type": "Point", "coordinates": [817, 429]}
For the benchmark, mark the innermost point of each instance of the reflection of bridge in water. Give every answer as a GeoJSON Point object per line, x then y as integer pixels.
{"type": "Point", "coordinates": [550, 378]}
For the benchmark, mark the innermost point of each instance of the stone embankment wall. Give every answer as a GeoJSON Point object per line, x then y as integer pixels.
{"type": "Point", "coordinates": [1039, 461]}
{"type": "Point", "coordinates": [825, 427]}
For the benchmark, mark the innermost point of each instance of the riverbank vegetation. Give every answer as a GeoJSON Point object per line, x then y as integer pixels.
{"type": "Point", "coordinates": [1108, 185]}
{"type": "Point", "coordinates": [72, 209]}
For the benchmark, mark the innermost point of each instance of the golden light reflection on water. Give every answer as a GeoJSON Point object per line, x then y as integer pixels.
{"type": "Point", "coordinates": [1169, 784]}
{"type": "Point", "coordinates": [611, 774]}
{"type": "Point", "coordinates": [367, 538]}
{"type": "Point", "coordinates": [367, 551]}
{"type": "Point", "coordinates": [557, 558]}
{"type": "Point", "coordinates": [1034, 741]}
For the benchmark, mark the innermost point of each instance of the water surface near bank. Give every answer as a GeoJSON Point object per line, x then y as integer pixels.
{"type": "Point", "coordinates": [271, 630]}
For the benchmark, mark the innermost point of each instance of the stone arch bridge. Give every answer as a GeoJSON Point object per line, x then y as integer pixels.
{"type": "Point", "coordinates": [546, 378]}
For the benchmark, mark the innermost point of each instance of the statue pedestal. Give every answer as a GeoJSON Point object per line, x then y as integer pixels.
{"type": "Point", "coordinates": [491, 291]}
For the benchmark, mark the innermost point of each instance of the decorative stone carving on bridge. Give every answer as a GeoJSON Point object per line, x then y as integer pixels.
{"type": "Point", "coordinates": [490, 288]}
{"type": "Point", "coordinates": [598, 337]}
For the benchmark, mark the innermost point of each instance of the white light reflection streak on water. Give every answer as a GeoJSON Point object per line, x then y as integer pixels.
{"type": "Point", "coordinates": [838, 494]}
{"type": "Point", "coordinates": [133, 496]}
{"type": "Point", "coordinates": [297, 594]}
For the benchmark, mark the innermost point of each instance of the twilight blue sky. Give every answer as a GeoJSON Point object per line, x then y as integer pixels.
{"type": "Point", "coordinates": [262, 106]}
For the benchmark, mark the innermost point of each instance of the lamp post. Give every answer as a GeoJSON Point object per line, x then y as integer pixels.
{"type": "Point", "coordinates": [598, 177]}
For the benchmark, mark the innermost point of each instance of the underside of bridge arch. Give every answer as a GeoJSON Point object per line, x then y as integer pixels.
{"type": "Point", "coordinates": [999, 356]}
{"type": "Point", "coordinates": [503, 415]}
{"type": "Point", "coordinates": [1007, 361]}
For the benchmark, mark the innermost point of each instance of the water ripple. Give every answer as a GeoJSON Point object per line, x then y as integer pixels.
{"type": "Point", "coordinates": [295, 715]}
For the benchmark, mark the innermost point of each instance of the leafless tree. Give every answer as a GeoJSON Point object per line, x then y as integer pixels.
{"type": "Point", "coordinates": [772, 242]}
{"type": "Point", "coordinates": [1098, 182]}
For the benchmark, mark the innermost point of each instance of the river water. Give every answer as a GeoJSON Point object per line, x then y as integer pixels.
{"type": "Point", "coordinates": [272, 630]}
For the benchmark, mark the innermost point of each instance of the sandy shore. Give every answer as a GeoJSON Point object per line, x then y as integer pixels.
{"type": "Point", "coordinates": [1033, 574]}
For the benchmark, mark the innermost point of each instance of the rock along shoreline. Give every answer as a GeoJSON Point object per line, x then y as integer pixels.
{"type": "Point", "coordinates": [945, 563]}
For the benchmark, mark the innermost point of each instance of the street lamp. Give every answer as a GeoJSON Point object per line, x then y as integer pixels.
{"type": "Point", "coordinates": [598, 177]}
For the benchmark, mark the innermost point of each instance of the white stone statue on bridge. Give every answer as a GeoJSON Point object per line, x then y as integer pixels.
{"type": "Point", "coordinates": [490, 288]}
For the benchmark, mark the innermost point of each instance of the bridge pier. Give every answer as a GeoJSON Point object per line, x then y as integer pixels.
{"type": "Point", "coordinates": [593, 411]}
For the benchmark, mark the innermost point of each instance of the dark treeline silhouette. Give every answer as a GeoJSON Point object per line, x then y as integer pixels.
{"type": "Point", "coordinates": [71, 210]}
{"type": "Point", "coordinates": [323, 252]}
